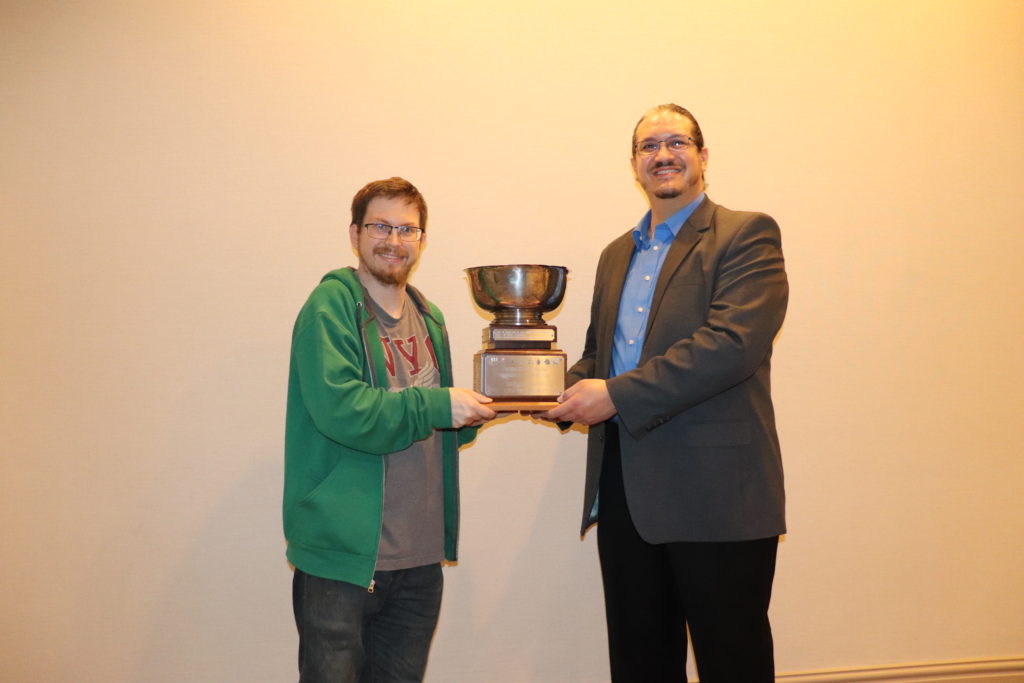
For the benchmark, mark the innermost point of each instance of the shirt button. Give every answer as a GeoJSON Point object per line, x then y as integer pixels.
{"type": "Point", "coordinates": [630, 342]}
{"type": "Point", "coordinates": [655, 247]}
{"type": "Point", "coordinates": [647, 278]}
{"type": "Point", "coordinates": [639, 309]}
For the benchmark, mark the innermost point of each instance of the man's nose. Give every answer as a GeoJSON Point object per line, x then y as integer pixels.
{"type": "Point", "coordinates": [663, 152]}
{"type": "Point", "coordinates": [393, 237]}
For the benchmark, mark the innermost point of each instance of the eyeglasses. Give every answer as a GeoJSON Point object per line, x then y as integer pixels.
{"type": "Point", "coordinates": [648, 148]}
{"type": "Point", "coordinates": [381, 231]}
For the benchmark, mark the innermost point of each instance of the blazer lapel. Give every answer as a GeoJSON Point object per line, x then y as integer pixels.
{"type": "Point", "coordinates": [689, 235]}
{"type": "Point", "coordinates": [619, 257]}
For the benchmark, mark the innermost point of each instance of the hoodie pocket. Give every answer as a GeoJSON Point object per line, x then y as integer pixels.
{"type": "Point", "coordinates": [343, 512]}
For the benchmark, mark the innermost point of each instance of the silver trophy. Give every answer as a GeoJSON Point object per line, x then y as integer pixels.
{"type": "Point", "coordinates": [519, 366]}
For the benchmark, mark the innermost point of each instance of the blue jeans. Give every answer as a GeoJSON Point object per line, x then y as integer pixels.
{"type": "Point", "coordinates": [349, 635]}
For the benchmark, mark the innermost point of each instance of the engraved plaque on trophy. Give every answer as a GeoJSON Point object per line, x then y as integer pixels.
{"type": "Point", "coordinates": [519, 366]}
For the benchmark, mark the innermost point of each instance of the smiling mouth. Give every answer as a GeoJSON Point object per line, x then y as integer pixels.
{"type": "Point", "coordinates": [390, 255]}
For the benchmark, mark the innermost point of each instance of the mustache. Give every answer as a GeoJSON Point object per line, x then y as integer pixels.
{"type": "Point", "coordinates": [389, 251]}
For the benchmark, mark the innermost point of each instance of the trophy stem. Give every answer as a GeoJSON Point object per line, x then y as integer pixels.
{"type": "Point", "coordinates": [518, 316]}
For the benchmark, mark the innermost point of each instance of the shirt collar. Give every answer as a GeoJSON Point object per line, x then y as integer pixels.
{"type": "Point", "coordinates": [666, 231]}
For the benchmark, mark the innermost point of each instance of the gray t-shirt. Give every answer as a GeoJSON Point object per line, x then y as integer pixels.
{"type": "Point", "coordinates": [413, 530]}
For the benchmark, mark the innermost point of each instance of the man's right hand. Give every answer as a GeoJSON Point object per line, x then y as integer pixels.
{"type": "Point", "coordinates": [468, 409]}
{"type": "Point", "coordinates": [587, 402]}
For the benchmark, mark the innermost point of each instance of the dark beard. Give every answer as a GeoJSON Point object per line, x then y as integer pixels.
{"type": "Point", "coordinates": [395, 277]}
{"type": "Point", "coordinates": [668, 193]}
{"type": "Point", "coordinates": [672, 193]}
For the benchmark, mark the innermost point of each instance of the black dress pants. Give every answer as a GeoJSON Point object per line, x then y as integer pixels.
{"type": "Point", "coordinates": [654, 591]}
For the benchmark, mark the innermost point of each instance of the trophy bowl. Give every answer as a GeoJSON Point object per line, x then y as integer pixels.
{"type": "Point", "coordinates": [518, 294]}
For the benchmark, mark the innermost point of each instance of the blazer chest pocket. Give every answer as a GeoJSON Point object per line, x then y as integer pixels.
{"type": "Point", "coordinates": [677, 315]}
{"type": "Point", "coordinates": [688, 288]}
{"type": "Point", "coordinates": [717, 434]}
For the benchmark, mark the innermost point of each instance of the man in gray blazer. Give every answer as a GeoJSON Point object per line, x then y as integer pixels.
{"type": "Point", "coordinates": [684, 473]}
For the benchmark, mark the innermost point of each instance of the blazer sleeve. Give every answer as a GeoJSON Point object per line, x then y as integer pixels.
{"type": "Point", "coordinates": [745, 309]}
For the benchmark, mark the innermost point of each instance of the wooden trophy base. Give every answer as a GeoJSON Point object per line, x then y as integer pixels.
{"type": "Point", "coordinates": [504, 406]}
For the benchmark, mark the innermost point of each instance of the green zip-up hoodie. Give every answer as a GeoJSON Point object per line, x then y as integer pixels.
{"type": "Point", "coordinates": [342, 420]}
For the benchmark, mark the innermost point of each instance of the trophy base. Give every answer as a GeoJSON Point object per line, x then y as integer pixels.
{"type": "Point", "coordinates": [520, 376]}
{"type": "Point", "coordinates": [504, 406]}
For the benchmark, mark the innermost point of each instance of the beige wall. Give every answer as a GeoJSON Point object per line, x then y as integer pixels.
{"type": "Point", "coordinates": [174, 178]}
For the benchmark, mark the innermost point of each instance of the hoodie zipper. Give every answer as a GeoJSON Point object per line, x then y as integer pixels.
{"type": "Point", "coordinates": [456, 494]}
{"type": "Point", "coordinates": [372, 380]}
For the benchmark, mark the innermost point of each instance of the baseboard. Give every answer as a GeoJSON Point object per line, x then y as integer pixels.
{"type": "Point", "coordinates": [1008, 670]}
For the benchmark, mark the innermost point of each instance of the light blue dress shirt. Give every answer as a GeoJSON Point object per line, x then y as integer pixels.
{"type": "Point", "coordinates": [638, 291]}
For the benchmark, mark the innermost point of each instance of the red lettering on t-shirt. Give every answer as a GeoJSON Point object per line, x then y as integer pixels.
{"type": "Point", "coordinates": [430, 350]}
{"type": "Point", "coordinates": [389, 358]}
{"type": "Point", "coordinates": [413, 357]}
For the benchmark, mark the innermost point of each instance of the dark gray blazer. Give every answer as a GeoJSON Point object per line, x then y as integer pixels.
{"type": "Point", "coordinates": [700, 454]}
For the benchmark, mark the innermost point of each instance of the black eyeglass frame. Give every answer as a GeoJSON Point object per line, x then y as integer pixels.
{"type": "Point", "coordinates": [406, 233]}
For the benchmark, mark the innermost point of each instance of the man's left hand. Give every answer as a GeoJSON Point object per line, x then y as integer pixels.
{"type": "Point", "coordinates": [586, 402]}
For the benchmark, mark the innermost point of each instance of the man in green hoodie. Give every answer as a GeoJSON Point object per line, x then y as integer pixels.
{"type": "Point", "coordinates": [371, 453]}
